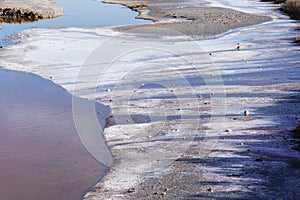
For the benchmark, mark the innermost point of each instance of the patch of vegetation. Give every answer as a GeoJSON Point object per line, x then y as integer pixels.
{"type": "Point", "coordinates": [292, 7]}
{"type": "Point", "coordinates": [14, 15]}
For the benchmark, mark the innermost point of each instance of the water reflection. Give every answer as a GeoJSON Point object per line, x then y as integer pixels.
{"type": "Point", "coordinates": [79, 13]}
{"type": "Point", "coordinates": [18, 20]}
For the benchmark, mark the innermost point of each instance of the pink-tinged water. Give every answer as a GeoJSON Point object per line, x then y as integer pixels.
{"type": "Point", "coordinates": [41, 156]}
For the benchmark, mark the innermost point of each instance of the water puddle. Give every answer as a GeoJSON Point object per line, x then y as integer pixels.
{"type": "Point", "coordinates": [41, 154]}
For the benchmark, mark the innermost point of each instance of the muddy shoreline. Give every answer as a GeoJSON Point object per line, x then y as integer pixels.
{"type": "Point", "coordinates": [198, 21]}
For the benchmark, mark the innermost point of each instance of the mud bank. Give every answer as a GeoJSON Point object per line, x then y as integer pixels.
{"type": "Point", "coordinates": [28, 10]}
{"type": "Point", "coordinates": [193, 18]}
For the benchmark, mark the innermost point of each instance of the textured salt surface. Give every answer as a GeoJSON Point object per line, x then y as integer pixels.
{"type": "Point", "coordinates": [158, 158]}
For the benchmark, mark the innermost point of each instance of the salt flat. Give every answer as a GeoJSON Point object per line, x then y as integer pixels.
{"type": "Point", "coordinates": [178, 128]}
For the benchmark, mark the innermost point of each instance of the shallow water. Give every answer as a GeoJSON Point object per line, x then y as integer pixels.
{"type": "Point", "coordinates": [78, 13]}
{"type": "Point", "coordinates": [41, 154]}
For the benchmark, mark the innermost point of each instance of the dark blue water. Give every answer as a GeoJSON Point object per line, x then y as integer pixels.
{"type": "Point", "coordinates": [78, 13]}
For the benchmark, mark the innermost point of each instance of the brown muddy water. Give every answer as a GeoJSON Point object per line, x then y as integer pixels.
{"type": "Point", "coordinates": [41, 156]}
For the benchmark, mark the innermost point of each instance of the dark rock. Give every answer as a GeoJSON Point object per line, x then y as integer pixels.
{"type": "Point", "coordinates": [131, 190]}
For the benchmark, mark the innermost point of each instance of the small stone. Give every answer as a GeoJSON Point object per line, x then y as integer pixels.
{"type": "Point", "coordinates": [131, 190]}
{"type": "Point", "coordinates": [242, 143]}
{"type": "Point", "coordinates": [264, 156]}
{"type": "Point", "coordinates": [100, 113]}
{"type": "Point", "coordinates": [208, 103]}
{"type": "Point", "coordinates": [239, 47]}
{"type": "Point", "coordinates": [51, 77]}
{"type": "Point", "coordinates": [149, 136]}
{"type": "Point", "coordinates": [172, 90]}
{"type": "Point", "coordinates": [210, 190]}
{"type": "Point", "coordinates": [246, 113]}
{"type": "Point", "coordinates": [200, 97]}
{"type": "Point", "coordinates": [228, 130]}
{"type": "Point", "coordinates": [163, 194]}
{"type": "Point", "coordinates": [108, 90]}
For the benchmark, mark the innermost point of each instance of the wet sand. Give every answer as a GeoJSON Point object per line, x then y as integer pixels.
{"type": "Point", "coordinates": [194, 19]}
